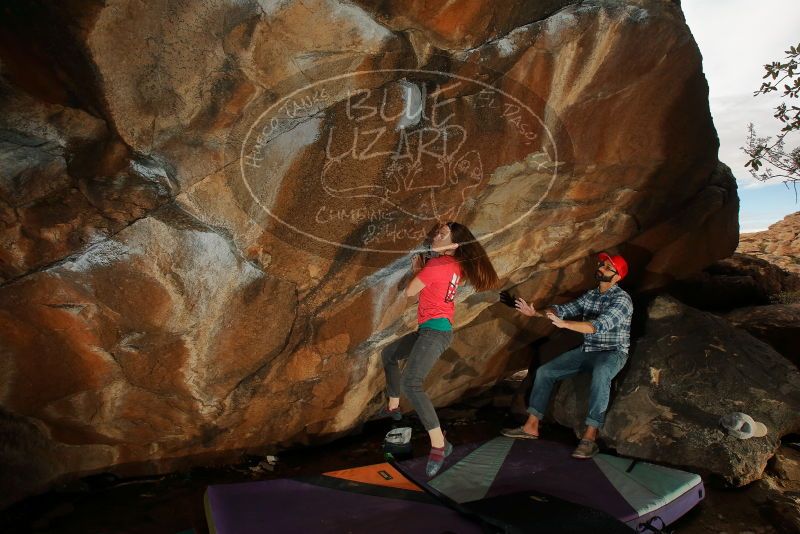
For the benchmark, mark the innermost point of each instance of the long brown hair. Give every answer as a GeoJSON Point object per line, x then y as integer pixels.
{"type": "Point", "coordinates": [470, 254]}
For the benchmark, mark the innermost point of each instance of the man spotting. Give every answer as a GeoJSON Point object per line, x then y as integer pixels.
{"type": "Point", "coordinates": [605, 323]}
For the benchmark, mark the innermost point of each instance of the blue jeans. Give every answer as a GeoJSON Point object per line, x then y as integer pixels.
{"type": "Point", "coordinates": [422, 349]}
{"type": "Point", "coordinates": [604, 366]}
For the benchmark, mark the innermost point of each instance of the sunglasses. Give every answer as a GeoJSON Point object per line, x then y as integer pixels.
{"type": "Point", "coordinates": [603, 264]}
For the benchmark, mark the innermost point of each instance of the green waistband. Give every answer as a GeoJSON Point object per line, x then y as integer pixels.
{"type": "Point", "coordinates": [440, 323]}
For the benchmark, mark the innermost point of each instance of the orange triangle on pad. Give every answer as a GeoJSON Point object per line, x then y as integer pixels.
{"type": "Point", "coordinates": [378, 475]}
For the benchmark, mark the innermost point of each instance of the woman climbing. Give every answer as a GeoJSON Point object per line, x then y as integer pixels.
{"type": "Point", "coordinates": [458, 256]}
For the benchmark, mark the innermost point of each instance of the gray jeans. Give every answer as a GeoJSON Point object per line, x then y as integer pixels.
{"type": "Point", "coordinates": [422, 348]}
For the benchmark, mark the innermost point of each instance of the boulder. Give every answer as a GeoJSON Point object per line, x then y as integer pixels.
{"type": "Point", "coordinates": [739, 281]}
{"type": "Point", "coordinates": [689, 369]}
{"type": "Point", "coordinates": [224, 195]}
{"type": "Point", "coordinates": [777, 495]}
{"type": "Point", "coordinates": [778, 325]}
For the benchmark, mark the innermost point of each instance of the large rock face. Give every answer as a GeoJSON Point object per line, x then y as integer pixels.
{"type": "Point", "coordinates": [689, 369]}
{"type": "Point", "coordinates": [207, 207]}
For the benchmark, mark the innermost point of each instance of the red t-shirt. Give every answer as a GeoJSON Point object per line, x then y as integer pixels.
{"type": "Point", "coordinates": [441, 276]}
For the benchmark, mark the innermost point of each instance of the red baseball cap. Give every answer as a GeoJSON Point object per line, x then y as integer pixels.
{"type": "Point", "coordinates": [619, 263]}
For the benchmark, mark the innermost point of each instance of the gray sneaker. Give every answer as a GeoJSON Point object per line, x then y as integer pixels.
{"type": "Point", "coordinates": [586, 449]}
{"type": "Point", "coordinates": [518, 433]}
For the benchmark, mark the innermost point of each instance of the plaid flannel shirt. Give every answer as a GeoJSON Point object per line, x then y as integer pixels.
{"type": "Point", "coordinates": [610, 313]}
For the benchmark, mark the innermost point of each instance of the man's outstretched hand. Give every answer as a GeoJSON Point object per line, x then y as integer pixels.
{"type": "Point", "coordinates": [557, 321]}
{"type": "Point", "coordinates": [524, 308]}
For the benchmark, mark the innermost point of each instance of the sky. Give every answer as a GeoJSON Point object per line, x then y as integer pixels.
{"type": "Point", "coordinates": [736, 38]}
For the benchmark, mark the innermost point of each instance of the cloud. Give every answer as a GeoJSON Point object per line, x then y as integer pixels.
{"type": "Point", "coordinates": [736, 38]}
{"type": "Point", "coordinates": [731, 116]}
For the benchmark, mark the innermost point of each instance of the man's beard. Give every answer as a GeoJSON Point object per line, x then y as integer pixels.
{"type": "Point", "coordinates": [601, 278]}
